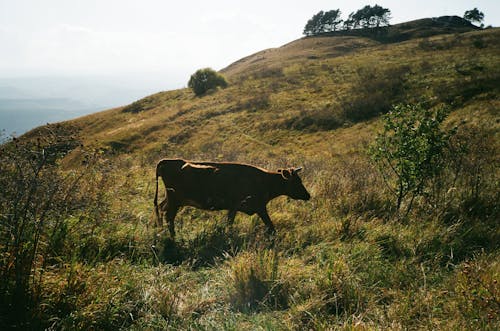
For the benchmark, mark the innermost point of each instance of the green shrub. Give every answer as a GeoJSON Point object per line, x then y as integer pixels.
{"type": "Point", "coordinates": [409, 151]}
{"type": "Point", "coordinates": [206, 79]}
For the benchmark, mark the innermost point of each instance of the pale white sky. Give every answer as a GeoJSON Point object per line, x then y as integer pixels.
{"type": "Point", "coordinates": [166, 41]}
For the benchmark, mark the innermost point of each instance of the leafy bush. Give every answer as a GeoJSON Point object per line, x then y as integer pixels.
{"type": "Point", "coordinates": [409, 151]}
{"type": "Point", "coordinates": [204, 80]}
{"type": "Point", "coordinates": [38, 204]}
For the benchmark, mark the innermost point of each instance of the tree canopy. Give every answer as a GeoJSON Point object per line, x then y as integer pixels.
{"type": "Point", "coordinates": [323, 22]}
{"type": "Point", "coordinates": [474, 15]}
{"type": "Point", "coordinates": [366, 17]}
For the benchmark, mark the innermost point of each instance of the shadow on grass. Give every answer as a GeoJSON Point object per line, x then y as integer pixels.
{"type": "Point", "coordinates": [460, 242]}
{"type": "Point", "coordinates": [204, 249]}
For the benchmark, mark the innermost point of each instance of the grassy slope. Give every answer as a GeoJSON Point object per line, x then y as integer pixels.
{"type": "Point", "coordinates": [309, 77]}
{"type": "Point", "coordinates": [336, 263]}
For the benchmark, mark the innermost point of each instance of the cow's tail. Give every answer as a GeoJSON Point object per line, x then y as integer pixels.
{"type": "Point", "coordinates": [155, 202]}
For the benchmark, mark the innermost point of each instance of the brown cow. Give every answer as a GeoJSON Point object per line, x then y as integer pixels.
{"type": "Point", "coordinates": [223, 186]}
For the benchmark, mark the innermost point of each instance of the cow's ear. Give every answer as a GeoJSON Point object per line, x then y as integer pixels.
{"type": "Point", "coordinates": [279, 171]}
{"type": "Point", "coordinates": [297, 170]}
{"type": "Point", "coordinates": [286, 173]}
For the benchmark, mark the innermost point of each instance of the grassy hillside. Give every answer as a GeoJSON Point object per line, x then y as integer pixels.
{"type": "Point", "coordinates": [304, 89]}
{"type": "Point", "coordinates": [343, 260]}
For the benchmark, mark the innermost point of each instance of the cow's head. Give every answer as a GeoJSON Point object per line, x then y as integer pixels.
{"type": "Point", "coordinates": [293, 184]}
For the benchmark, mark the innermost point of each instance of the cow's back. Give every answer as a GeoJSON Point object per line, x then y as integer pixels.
{"type": "Point", "coordinates": [235, 182]}
{"type": "Point", "coordinates": [214, 185]}
{"type": "Point", "coordinates": [236, 176]}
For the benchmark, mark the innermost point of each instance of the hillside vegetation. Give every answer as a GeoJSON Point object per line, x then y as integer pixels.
{"type": "Point", "coordinates": [90, 258]}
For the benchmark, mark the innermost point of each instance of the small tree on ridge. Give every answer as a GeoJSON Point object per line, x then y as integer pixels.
{"type": "Point", "coordinates": [331, 20]}
{"type": "Point", "coordinates": [370, 17]}
{"type": "Point", "coordinates": [474, 15]}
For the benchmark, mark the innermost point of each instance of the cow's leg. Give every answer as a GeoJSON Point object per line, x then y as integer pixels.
{"type": "Point", "coordinates": [171, 213]}
{"type": "Point", "coordinates": [163, 208]}
{"type": "Point", "coordinates": [164, 205]}
{"type": "Point", "coordinates": [267, 221]}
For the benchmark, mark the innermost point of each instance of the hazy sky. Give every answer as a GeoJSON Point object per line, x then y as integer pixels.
{"type": "Point", "coordinates": [168, 40]}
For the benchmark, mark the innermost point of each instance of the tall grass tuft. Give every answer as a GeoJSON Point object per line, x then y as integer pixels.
{"type": "Point", "coordinates": [255, 281]}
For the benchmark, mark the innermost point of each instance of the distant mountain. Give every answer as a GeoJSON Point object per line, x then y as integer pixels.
{"type": "Point", "coordinates": [108, 91]}
{"type": "Point", "coordinates": [27, 102]}
{"type": "Point", "coordinates": [18, 115]}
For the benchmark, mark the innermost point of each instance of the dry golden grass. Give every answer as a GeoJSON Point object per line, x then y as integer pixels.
{"type": "Point", "coordinates": [293, 111]}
